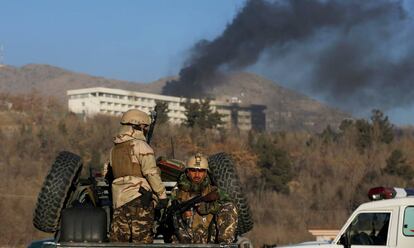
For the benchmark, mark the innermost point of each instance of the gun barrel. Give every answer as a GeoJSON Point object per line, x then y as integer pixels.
{"type": "Point", "coordinates": [153, 115]}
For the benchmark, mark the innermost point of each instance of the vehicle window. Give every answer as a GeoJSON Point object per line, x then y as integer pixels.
{"type": "Point", "coordinates": [369, 229]}
{"type": "Point", "coordinates": [408, 228]}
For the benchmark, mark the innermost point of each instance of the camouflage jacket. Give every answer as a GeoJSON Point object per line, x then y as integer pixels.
{"type": "Point", "coordinates": [198, 222]}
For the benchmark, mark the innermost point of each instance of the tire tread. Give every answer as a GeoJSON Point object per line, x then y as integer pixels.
{"type": "Point", "coordinates": [222, 169]}
{"type": "Point", "coordinates": [55, 190]}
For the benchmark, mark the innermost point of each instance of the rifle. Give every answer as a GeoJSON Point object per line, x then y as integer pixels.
{"type": "Point", "coordinates": [173, 215]}
{"type": "Point", "coordinates": [153, 115]}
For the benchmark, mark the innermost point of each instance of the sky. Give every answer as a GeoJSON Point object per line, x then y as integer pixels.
{"type": "Point", "coordinates": [129, 40]}
{"type": "Point", "coordinates": [144, 40]}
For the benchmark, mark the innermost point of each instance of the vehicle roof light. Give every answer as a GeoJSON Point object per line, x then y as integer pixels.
{"type": "Point", "coordinates": [410, 192]}
{"type": "Point", "coordinates": [380, 193]}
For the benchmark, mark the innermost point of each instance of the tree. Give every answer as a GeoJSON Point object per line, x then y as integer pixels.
{"type": "Point", "coordinates": [275, 164]}
{"type": "Point", "coordinates": [161, 108]}
{"type": "Point", "coordinates": [364, 131]}
{"type": "Point", "coordinates": [397, 165]}
{"type": "Point", "coordinates": [192, 113]}
{"type": "Point", "coordinates": [346, 124]}
{"type": "Point", "coordinates": [383, 126]}
{"type": "Point", "coordinates": [211, 119]}
{"type": "Point", "coordinates": [199, 114]}
{"type": "Point", "coordinates": [328, 135]}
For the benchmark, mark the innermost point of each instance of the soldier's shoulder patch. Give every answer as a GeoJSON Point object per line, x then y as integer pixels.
{"type": "Point", "coordinates": [142, 148]}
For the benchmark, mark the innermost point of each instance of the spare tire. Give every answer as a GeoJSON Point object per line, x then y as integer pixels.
{"type": "Point", "coordinates": [224, 174]}
{"type": "Point", "coordinates": [56, 190]}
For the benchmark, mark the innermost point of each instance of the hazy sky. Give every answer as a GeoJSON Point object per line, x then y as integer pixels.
{"type": "Point", "coordinates": [129, 39]}
{"type": "Point", "coordinates": [140, 40]}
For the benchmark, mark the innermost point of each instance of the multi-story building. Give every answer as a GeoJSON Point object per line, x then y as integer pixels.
{"type": "Point", "coordinates": [99, 100]}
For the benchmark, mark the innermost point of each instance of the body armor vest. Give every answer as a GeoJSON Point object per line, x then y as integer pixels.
{"type": "Point", "coordinates": [122, 164]}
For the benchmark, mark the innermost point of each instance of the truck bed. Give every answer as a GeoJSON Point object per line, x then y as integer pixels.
{"type": "Point", "coordinates": [52, 244]}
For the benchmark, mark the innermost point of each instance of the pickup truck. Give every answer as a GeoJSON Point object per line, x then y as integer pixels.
{"type": "Point", "coordinates": [386, 221]}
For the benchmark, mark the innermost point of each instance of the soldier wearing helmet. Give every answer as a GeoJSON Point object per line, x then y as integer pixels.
{"type": "Point", "coordinates": [136, 178]}
{"type": "Point", "coordinates": [208, 222]}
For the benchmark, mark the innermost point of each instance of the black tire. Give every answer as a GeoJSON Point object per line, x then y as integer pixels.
{"type": "Point", "coordinates": [55, 191]}
{"type": "Point", "coordinates": [224, 174]}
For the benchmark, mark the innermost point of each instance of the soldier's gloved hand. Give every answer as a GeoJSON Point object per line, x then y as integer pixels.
{"type": "Point", "coordinates": [146, 197]}
{"type": "Point", "coordinates": [162, 203]}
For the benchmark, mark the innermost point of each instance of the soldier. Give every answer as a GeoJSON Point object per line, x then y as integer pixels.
{"type": "Point", "coordinates": [214, 221]}
{"type": "Point", "coordinates": [136, 177]}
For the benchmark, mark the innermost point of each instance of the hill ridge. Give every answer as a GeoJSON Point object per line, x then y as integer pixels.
{"type": "Point", "coordinates": [286, 108]}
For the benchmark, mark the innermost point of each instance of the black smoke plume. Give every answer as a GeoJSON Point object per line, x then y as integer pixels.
{"type": "Point", "coordinates": [358, 54]}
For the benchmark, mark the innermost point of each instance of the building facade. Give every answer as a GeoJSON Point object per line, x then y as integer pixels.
{"type": "Point", "coordinates": [99, 100]}
{"type": "Point", "coordinates": [324, 234]}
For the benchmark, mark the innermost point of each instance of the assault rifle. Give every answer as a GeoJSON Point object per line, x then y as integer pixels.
{"type": "Point", "coordinates": [173, 214]}
{"type": "Point", "coordinates": [153, 115]}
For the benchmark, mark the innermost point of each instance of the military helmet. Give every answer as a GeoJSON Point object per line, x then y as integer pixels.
{"type": "Point", "coordinates": [197, 161]}
{"type": "Point", "coordinates": [135, 117]}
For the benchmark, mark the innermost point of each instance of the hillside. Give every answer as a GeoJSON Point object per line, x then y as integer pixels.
{"type": "Point", "coordinates": [54, 81]}
{"type": "Point", "coordinates": [286, 109]}
{"type": "Point", "coordinates": [293, 180]}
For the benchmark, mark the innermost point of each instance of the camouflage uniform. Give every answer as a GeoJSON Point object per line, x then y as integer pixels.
{"type": "Point", "coordinates": [133, 166]}
{"type": "Point", "coordinates": [213, 222]}
{"type": "Point", "coordinates": [132, 223]}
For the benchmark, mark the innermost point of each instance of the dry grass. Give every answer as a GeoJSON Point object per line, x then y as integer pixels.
{"type": "Point", "coordinates": [330, 179]}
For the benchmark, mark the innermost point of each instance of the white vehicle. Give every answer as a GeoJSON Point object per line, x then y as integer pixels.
{"type": "Point", "coordinates": [387, 221]}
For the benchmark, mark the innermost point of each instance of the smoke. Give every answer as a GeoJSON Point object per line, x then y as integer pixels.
{"type": "Point", "coordinates": [355, 54]}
